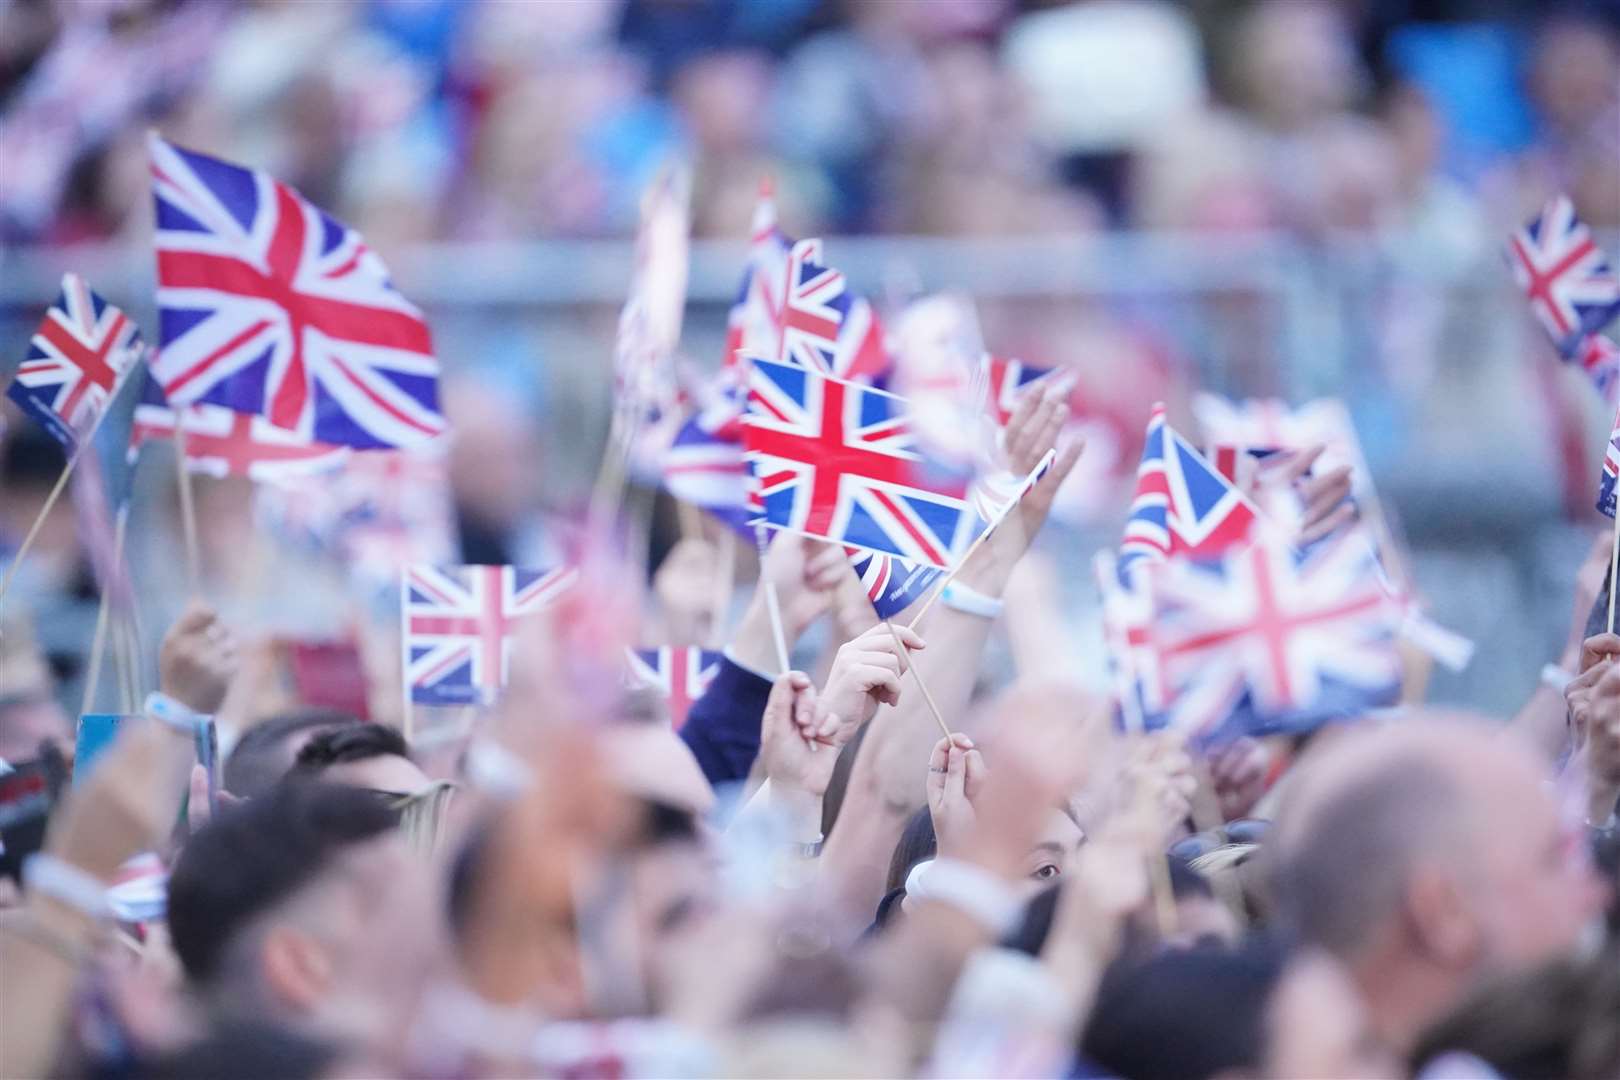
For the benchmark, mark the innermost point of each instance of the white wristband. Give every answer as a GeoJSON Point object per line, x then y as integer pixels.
{"type": "Point", "coordinates": [175, 714]}
{"type": "Point", "coordinates": [48, 875]}
{"type": "Point", "coordinates": [970, 601]}
{"type": "Point", "coordinates": [970, 889]}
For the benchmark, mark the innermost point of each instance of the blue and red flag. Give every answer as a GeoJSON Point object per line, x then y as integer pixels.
{"type": "Point", "coordinates": [270, 307]}
{"type": "Point", "coordinates": [682, 674]}
{"type": "Point", "coordinates": [1182, 505]}
{"type": "Point", "coordinates": [1571, 289]}
{"type": "Point", "coordinates": [825, 327]}
{"type": "Point", "coordinates": [458, 627]}
{"type": "Point", "coordinates": [75, 362]}
{"type": "Point", "coordinates": [1611, 472]}
{"type": "Point", "coordinates": [838, 460]}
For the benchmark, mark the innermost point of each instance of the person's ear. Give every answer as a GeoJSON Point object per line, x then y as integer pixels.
{"type": "Point", "coordinates": [1442, 923]}
{"type": "Point", "coordinates": [296, 967]}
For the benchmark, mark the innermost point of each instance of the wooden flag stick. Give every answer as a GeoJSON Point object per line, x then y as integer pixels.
{"type": "Point", "coordinates": [905, 655]}
{"type": "Point", "coordinates": [949, 576]}
{"type": "Point", "coordinates": [39, 522]}
{"type": "Point", "coordinates": [773, 604]}
{"type": "Point", "coordinates": [98, 643]}
{"type": "Point", "coordinates": [188, 506]}
{"type": "Point", "coordinates": [608, 491]}
{"type": "Point", "coordinates": [1614, 568]}
{"type": "Point", "coordinates": [128, 656]}
{"type": "Point", "coordinates": [407, 718]}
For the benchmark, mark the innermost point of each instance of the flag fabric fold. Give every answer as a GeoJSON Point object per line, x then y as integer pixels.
{"type": "Point", "coordinates": [1570, 287]}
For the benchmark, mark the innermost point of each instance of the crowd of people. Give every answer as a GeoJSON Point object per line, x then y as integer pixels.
{"type": "Point", "coordinates": [928, 845]}
{"type": "Point", "coordinates": [806, 879]}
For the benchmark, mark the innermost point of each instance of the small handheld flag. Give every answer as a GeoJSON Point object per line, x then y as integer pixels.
{"type": "Point", "coordinates": [270, 307]}
{"type": "Point", "coordinates": [838, 461]}
{"type": "Point", "coordinates": [75, 362]}
{"type": "Point", "coordinates": [458, 627]}
{"type": "Point", "coordinates": [1571, 289]}
{"type": "Point", "coordinates": [223, 442]}
{"type": "Point", "coordinates": [681, 674]}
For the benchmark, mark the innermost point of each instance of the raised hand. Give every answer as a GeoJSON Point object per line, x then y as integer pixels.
{"type": "Point", "coordinates": [866, 673]}
{"type": "Point", "coordinates": [197, 660]}
{"type": "Point", "coordinates": [799, 739]}
{"type": "Point", "coordinates": [956, 777]}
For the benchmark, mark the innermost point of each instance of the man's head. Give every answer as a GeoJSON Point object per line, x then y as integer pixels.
{"type": "Point", "coordinates": [370, 756]}
{"type": "Point", "coordinates": [306, 905]}
{"type": "Point", "coordinates": [266, 751]}
{"type": "Point", "coordinates": [1425, 855]}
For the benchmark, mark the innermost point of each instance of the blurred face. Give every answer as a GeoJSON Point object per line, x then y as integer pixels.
{"type": "Point", "coordinates": [1316, 1025]}
{"type": "Point", "coordinates": [26, 724]}
{"type": "Point", "coordinates": [1535, 895]}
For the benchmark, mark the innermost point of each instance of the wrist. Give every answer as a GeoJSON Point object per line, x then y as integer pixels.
{"type": "Point", "coordinates": [752, 645]}
{"type": "Point", "coordinates": [1600, 803]}
{"type": "Point", "coordinates": [800, 806]}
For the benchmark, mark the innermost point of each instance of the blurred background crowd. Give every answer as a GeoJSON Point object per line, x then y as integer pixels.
{"type": "Point", "coordinates": [1288, 198]}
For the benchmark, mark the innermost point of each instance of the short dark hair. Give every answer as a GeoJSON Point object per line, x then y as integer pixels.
{"type": "Point", "coordinates": [361, 742]}
{"type": "Point", "coordinates": [256, 854]}
{"type": "Point", "coordinates": [244, 1050]}
{"type": "Point", "coordinates": [1186, 1014]}
{"type": "Point", "coordinates": [259, 759]}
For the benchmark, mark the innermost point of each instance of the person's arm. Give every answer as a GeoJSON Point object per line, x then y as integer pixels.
{"type": "Point", "coordinates": [1544, 718]}
{"type": "Point", "coordinates": [886, 784]}
{"type": "Point", "coordinates": [723, 727]}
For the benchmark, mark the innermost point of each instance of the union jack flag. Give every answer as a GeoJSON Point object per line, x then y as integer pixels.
{"type": "Point", "coordinates": [892, 584]}
{"type": "Point", "coordinates": [837, 460]}
{"type": "Point", "coordinates": [1271, 424]}
{"type": "Point", "coordinates": [1005, 383]}
{"type": "Point", "coordinates": [681, 673]}
{"type": "Point", "coordinates": [1182, 505]}
{"type": "Point", "coordinates": [223, 442]}
{"type": "Point", "coordinates": [81, 350]}
{"type": "Point", "coordinates": [1600, 359]}
{"type": "Point", "coordinates": [754, 324]}
{"type": "Point", "coordinates": [704, 465]}
{"type": "Point", "coordinates": [825, 327]}
{"type": "Point", "coordinates": [270, 307]}
{"type": "Point", "coordinates": [1127, 626]}
{"type": "Point", "coordinates": [1611, 472]}
{"type": "Point", "coordinates": [1297, 635]}
{"type": "Point", "coordinates": [459, 622]}
{"type": "Point", "coordinates": [1564, 275]}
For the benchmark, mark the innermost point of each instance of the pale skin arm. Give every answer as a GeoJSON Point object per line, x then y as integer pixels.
{"type": "Point", "coordinates": [887, 782]}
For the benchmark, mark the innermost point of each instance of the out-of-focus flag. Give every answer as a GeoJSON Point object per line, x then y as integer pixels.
{"type": "Point", "coordinates": [1600, 359]}
{"type": "Point", "coordinates": [648, 397]}
{"type": "Point", "coordinates": [223, 442]}
{"type": "Point", "coordinates": [75, 362]}
{"type": "Point", "coordinates": [269, 306]}
{"type": "Point", "coordinates": [1182, 505]}
{"type": "Point", "coordinates": [825, 327]}
{"type": "Point", "coordinates": [1271, 424]}
{"type": "Point", "coordinates": [837, 460]}
{"type": "Point", "coordinates": [754, 324]}
{"type": "Point", "coordinates": [704, 465]}
{"type": "Point", "coordinates": [682, 674]}
{"type": "Point", "coordinates": [1303, 638]}
{"type": "Point", "coordinates": [375, 513]}
{"type": "Point", "coordinates": [458, 627]}
{"type": "Point", "coordinates": [1611, 471]}
{"type": "Point", "coordinates": [1127, 625]}
{"type": "Point", "coordinates": [1564, 275]}
{"type": "Point", "coordinates": [935, 350]}
{"type": "Point", "coordinates": [1006, 381]}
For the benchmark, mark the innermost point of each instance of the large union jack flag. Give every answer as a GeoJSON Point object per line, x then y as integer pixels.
{"type": "Point", "coordinates": [223, 442]}
{"type": "Point", "coordinates": [1564, 275]}
{"type": "Point", "coordinates": [837, 460]}
{"type": "Point", "coordinates": [1600, 359]}
{"type": "Point", "coordinates": [825, 327]}
{"type": "Point", "coordinates": [270, 307]}
{"type": "Point", "coordinates": [458, 627]}
{"type": "Point", "coordinates": [682, 674]}
{"type": "Point", "coordinates": [1182, 505]}
{"type": "Point", "coordinates": [1295, 634]}
{"type": "Point", "coordinates": [81, 350]}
